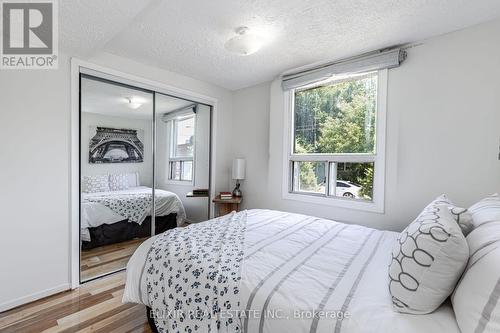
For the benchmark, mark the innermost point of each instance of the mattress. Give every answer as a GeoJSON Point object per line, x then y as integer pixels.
{"type": "Point", "coordinates": [95, 214]}
{"type": "Point", "coordinates": [308, 274]}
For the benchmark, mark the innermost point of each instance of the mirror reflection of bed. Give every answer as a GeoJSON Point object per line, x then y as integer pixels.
{"type": "Point", "coordinates": [121, 167]}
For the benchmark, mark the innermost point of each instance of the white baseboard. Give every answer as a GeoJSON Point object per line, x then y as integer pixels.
{"type": "Point", "coordinates": [33, 297]}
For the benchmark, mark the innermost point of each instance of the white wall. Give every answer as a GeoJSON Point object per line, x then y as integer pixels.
{"type": "Point", "coordinates": [34, 178]}
{"type": "Point", "coordinates": [251, 141]}
{"type": "Point", "coordinates": [145, 169]}
{"type": "Point", "coordinates": [202, 147]}
{"type": "Point", "coordinates": [443, 131]}
{"type": "Point", "coordinates": [35, 112]}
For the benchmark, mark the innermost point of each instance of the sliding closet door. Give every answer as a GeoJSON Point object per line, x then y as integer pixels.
{"type": "Point", "coordinates": [182, 160]}
{"type": "Point", "coordinates": [116, 168]}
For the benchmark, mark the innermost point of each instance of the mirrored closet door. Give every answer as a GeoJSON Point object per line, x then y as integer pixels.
{"type": "Point", "coordinates": [116, 164]}
{"type": "Point", "coordinates": [144, 169]}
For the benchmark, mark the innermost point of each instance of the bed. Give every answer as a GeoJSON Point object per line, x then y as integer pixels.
{"type": "Point", "coordinates": [116, 216]}
{"type": "Point", "coordinates": [295, 273]}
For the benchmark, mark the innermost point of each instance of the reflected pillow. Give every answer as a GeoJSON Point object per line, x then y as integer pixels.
{"type": "Point", "coordinates": [133, 179]}
{"type": "Point", "coordinates": [118, 182]}
{"type": "Point", "coordinates": [92, 184]}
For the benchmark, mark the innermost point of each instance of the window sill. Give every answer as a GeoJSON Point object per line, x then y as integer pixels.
{"type": "Point", "coordinates": [179, 182]}
{"type": "Point", "coordinates": [367, 206]}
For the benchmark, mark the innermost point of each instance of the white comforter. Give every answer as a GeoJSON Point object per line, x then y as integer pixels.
{"type": "Point", "coordinates": [298, 266]}
{"type": "Point", "coordinates": [95, 214]}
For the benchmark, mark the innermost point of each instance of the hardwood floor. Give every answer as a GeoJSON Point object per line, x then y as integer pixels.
{"type": "Point", "coordinates": [94, 307]}
{"type": "Point", "coordinates": [107, 258]}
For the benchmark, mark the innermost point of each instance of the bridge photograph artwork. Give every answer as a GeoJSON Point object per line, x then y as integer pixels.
{"type": "Point", "coordinates": [112, 145]}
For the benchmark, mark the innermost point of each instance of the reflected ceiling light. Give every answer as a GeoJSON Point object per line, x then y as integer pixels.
{"type": "Point", "coordinates": [133, 103]}
{"type": "Point", "coordinates": [244, 43]}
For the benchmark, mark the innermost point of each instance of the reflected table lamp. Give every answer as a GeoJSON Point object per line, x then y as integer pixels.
{"type": "Point", "coordinates": [238, 174]}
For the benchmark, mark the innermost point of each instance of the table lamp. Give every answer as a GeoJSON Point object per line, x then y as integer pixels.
{"type": "Point", "coordinates": [238, 174]}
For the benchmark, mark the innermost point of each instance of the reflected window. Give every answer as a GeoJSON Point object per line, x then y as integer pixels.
{"type": "Point", "coordinates": [182, 150]}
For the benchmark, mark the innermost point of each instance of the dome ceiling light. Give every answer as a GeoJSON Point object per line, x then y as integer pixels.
{"type": "Point", "coordinates": [244, 43]}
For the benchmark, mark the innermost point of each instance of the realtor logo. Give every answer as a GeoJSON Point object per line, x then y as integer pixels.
{"type": "Point", "coordinates": [29, 35]}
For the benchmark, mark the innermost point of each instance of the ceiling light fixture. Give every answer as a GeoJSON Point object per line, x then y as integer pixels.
{"type": "Point", "coordinates": [244, 43]}
{"type": "Point", "coordinates": [132, 103]}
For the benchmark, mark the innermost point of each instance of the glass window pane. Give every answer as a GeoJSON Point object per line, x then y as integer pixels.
{"type": "Point", "coordinates": [336, 118]}
{"type": "Point", "coordinates": [187, 170]}
{"type": "Point", "coordinates": [175, 170]}
{"type": "Point", "coordinates": [309, 177]}
{"type": "Point", "coordinates": [184, 137]}
{"type": "Point", "coordinates": [354, 181]}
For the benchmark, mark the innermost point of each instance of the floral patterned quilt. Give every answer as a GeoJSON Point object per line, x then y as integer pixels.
{"type": "Point", "coordinates": [195, 272]}
{"type": "Point", "coordinates": [133, 206]}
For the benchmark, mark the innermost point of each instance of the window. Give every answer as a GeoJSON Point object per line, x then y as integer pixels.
{"type": "Point", "coordinates": [182, 149]}
{"type": "Point", "coordinates": [336, 142]}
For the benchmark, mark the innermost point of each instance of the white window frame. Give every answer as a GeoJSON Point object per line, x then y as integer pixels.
{"type": "Point", "coordinates": [378, 199]}
{"type": "Point", "coordinates": [173, 143]}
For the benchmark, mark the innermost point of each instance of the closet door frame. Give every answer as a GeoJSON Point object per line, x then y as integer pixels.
{"type": "Point", "coordinates": [79, 67]}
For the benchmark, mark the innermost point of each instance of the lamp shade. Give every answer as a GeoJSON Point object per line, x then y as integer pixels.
{"type": "Point", "coordinates": [239, 168]}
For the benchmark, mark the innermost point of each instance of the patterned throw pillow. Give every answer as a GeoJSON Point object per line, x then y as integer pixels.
{"type": "Point", "coordinates": [463, 216]}
{"type": "Point", "coordinates": [427, 260]}
{"type": "Point", "coordinates": [464, 219]}
{"type": "Point", "coordinates": [118, 182]}
{"type": "Point", "coordinates": [92, 184]}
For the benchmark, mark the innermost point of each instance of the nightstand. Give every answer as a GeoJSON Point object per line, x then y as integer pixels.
{"type": "Point", "coordinates": [226, 206]}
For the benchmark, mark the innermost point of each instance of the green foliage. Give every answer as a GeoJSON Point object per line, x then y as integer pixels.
{"type": "Point", "coordinates": [360, 174]}
{"type": "Point", "coordinates": [366, 183]}
{"type": "Point", "coordinates": [339, 118]}
{"type": "Point", "coordinates": [308, 180]}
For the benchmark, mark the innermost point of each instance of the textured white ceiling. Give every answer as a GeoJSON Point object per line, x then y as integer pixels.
{"type": "Point", "coordinates": [188, 36]}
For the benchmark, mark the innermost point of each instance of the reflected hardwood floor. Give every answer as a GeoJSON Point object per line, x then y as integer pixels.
{"type": "Point", "coordinates": [94, 307]}
{"type": "Point", "coordinates": [109, 258]}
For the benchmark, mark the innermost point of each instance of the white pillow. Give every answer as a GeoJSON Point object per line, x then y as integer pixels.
{"type": "Point", "coordinates": [486, 210]}
{"type": "Point", "coordinates": [476, 298]}
{"type": "Point", "coordinates": [92, 184]}
{"type": "Point", "coordinates": [118, 182]}
{"type": "Point", "coordinates": [133, 179]}
{"type": "Point", "coordinates": [427, 260]}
